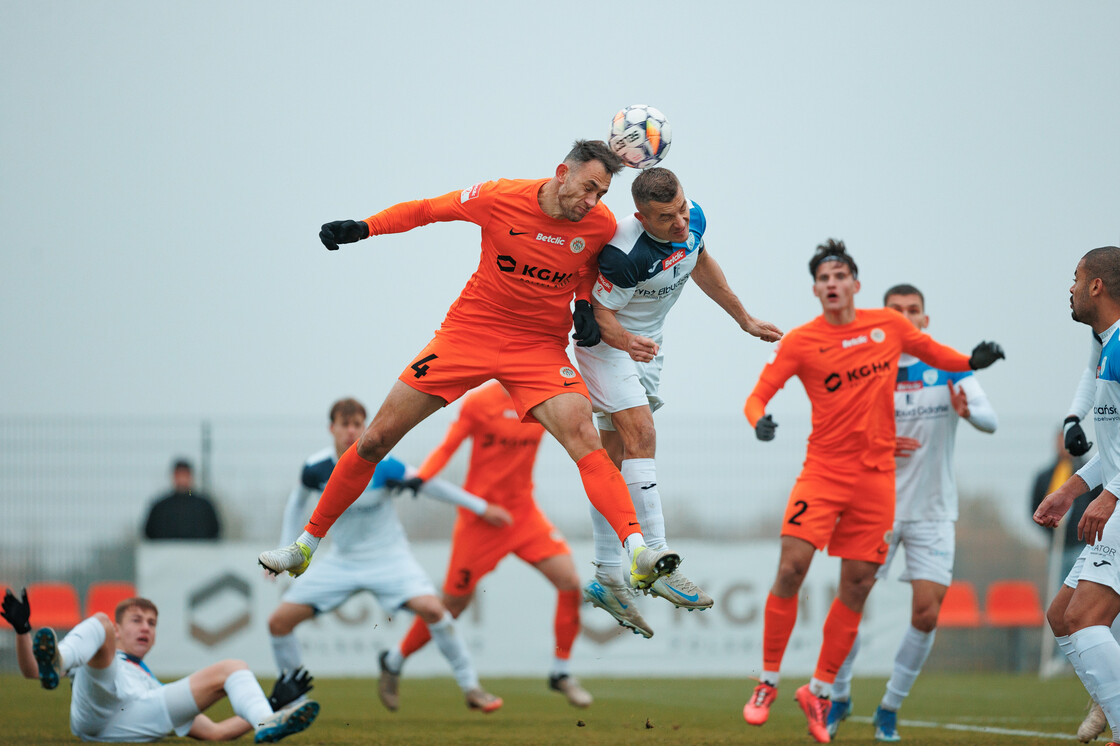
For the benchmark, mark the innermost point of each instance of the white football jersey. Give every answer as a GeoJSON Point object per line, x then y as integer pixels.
{"type": "Point", "coordinates": [1104, 467]}
{"type": "Point", "coordinates": [640, 278]}
{"type": "Point", "coordinates": [925, 483]}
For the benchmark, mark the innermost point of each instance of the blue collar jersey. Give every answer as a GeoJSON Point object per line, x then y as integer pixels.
{"type": "Point", "coordinates": [640, 278]}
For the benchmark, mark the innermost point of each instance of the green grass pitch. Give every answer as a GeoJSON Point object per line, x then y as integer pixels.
{"type": "Point", "coordinates": [943, 709]}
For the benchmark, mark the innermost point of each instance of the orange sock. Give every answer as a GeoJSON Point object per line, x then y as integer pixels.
{"type": "Point", "coordinates": [606, 489]}
{"type": "Point", "coordinates": [778, 620]}
{"type": "Point", "coordinates": [566, 623]}
{"type": "Point", "coordinates": [417, 637]}
{"type": "Point", "coordinates": [348, 480]}
{"type": "Point", "coordinates": [840, 628]}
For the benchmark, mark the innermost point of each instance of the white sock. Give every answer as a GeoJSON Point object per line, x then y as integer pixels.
{"type": "Point", "coordinates": [641, 480]}
{"type": "Point", "coordinates": [608, 552]}
{"type": "Point", "coordinates": [1100, 657]}
{"type": "Point", "coordinates": [770, 677]}
{"type": "Point", "coordinates": [632, 543]}
{"type": "Point", "coordinates": [81, 643]}
{"type": "Point", "coordinates": [286, 652]}
{"type": "Point", "coordinates": [560, 667]}
{"type": "Point", "coordinates": [820, 688]}
{"type": "Point", "coordinates": [247, 698]}
{"type": "Point", "coordinates": [908, 662]}
{"type": "Point", "coordinates": [842, 687]}
{"type": "Point", "coordinates": [309, 541]}
{"type": "Point", "coordinates": [453, 649]}
{"type": "Point", "coordinates": [1066, 646]}
{"type": "Point", "coordinates": [394, 658]}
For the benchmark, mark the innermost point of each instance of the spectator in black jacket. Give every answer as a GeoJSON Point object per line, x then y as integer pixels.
{"type": "Point", "coordinates": [184, 512]}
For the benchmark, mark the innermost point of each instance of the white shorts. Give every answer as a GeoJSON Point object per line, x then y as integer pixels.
{"type": "Point", "coordinates": [616, 382]}
{"type": "Point", "coordinates": [332, 579]}
{"type": "Point", "coordinates": [1097, 563]}
{"type": "Point", "coordinates": [930, 548]}
{"type": "Point", "coordinates": [99, 711]}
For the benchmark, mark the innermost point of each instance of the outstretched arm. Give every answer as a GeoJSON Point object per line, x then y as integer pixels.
{"type": "Point", "coordinates": [709, 277]}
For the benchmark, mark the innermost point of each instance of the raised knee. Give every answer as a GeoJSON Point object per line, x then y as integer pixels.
{"type": "Point", "coordinates": [371, 446]}
{"type": "Point", "coordinates": [278, 626]}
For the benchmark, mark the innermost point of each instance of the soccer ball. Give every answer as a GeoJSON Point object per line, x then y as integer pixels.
{"type": "Point", "coordinates": [640, 136]}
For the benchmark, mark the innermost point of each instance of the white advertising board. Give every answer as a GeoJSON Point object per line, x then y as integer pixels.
{"type": "Point", "coordinates": [215, 601]}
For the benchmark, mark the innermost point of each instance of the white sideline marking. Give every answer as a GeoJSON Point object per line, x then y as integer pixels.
{"type": "Point", "coordinates": [972, 728]}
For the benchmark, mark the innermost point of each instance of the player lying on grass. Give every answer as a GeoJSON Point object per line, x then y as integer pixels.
{"type": "Point", "coordinates": [115, 697]}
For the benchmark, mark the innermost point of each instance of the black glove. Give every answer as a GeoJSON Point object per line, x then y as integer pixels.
{"type": "Point", "coordinates": [587, 328]}
{"type": "Point", "coordinates": [765, 428]}
{"type": "Point", "coordinates": [289, 687]}
{"type": "Point", "coordinates": [1076, 442]}
{"type": "Point", "coordinates": [17, 612]}
{"type": "Point", "coordinates": [343, 231]}
{"type": "Point", "coordinates": [984, 354]}
{"type": "Point", "coordinates": [396, 486]}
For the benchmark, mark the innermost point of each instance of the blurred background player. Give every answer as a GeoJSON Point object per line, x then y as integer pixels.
{"type": "Point", "coordinates": [184, 512]}
{"type": "Point", "coordinates": [115, 697]}
{"type": "Point", "coordinates": [370, 552]}
{"type": "Point", "coordinates": [1088, 603]}
{"type": "Point", "coordinates": [642, 273]}
{"type": "Point", "coordinates": [503, 451]}
{"type": "Point", "coordinates": [928, 404]}
{"type": "Point", "coordinates": [540, 242]}
{"type": "Point", "coordinates": [847, 360]}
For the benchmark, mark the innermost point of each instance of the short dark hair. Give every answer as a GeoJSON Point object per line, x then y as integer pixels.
{"type": "Point", "coordinates": [181, 463]}
{"type": "Point", "coordinates": [346, 408]}
{"type": "Point", "coordinates": [1104, 262]}
{"type": "Point", "coordinates": [832, 251]}
{"type": "Point", "coordinates": [128, 603]}
{"type": "Point", "coordinates": [585, 151]}
{"type": "Point", "coordinates": [904, 289]}
{"type": "Point", "coordinates": [655, 185]}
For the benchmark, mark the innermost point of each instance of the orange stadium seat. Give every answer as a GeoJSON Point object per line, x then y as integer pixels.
{"type": "Point", "coordinates": [53, 605]}
{"type": "Point", "coordinates": [961, 607]}
{"type": "Point", "coordinates": [4, 589]}
{"type": "Point", "coordinates": [106, 594]}
{"type": "Point", "coordinates": [1013, 603]}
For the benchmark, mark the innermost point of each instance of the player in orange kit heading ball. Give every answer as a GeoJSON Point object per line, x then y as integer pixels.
{"type": "Point", "coordinates": [503, 452]}
{"type": "Point", "coordinates": [847, 360]}
{"type": "Point", "coordinates": [540, 243]}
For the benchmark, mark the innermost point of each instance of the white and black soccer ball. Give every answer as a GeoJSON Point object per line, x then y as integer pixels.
{"type": "Point", "coordinates": [640, 136]}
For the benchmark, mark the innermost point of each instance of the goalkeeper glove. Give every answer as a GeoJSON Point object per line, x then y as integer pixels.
{"type": "Point", "coordinates": [16, 612]}
{"type": "Point", "coordinates": [587, 328]}
{"type": "Point", "coordinates": [984, 354]}
{"type": "Point", "coordinates": [396, 486]}
{"type": "Point", "coordinates": [765, 428]}
{"type": "Point", "coordinates": [289, 687]}
{"type": "Point", "coordinates": [1076, 442]}
{"type": "Point", "coordinates": [343, 231]}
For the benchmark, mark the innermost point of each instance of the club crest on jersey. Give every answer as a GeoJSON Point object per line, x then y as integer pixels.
{"type": "Point", "coordinates": [469, 193]}
{"type": "Point", "coordinates": [567, 372]}
{"type": "Point", "coordinates": [577, 245]}
{"type": "Point", "coordinates": [878, 335]}
{"type": "Point", "coordinates": [929, 376]}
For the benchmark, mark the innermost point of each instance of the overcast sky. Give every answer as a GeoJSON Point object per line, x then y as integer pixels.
{"type": "Point", "coordinates": [165, 168]}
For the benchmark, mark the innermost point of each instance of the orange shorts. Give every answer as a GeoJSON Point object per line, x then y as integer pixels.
{"type": "Point", "coordinates": [477, 547]}
{"type": "Point", "coordinates": [852, 512]}
{"type": "Point", "coordinates": [460, 359]}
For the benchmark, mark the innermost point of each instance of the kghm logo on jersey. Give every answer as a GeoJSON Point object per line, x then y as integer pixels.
{"type": "Point", "coordinates": [567, 372]}
{"type": "Point", "coordinates": [578, 245]}
{"type": "Point", "coordinates": [878, 335]}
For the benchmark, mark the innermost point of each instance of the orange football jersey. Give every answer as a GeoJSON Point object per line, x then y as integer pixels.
{"type": "Point", "coordinates": [849, 373]}
{"type": "Point", "coordinates": [531, 264]}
